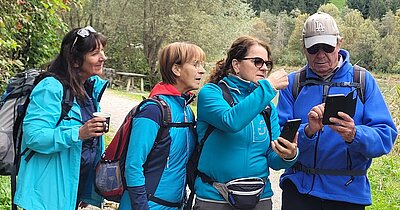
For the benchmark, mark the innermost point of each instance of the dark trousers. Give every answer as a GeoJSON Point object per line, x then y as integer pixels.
{"type": "Point", "coordinates": [293, 200]}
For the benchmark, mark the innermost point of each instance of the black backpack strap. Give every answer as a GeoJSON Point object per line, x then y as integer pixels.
{"type": "Point", "coordinates": [66, 104]}
{"type": "Point", "coordinates": [266, 113]}
{"type": "Point", "coordinates": [164, 202]}
{"type": "Point", "coordinates": [226, 93]}
{"type": "Point", "coordinates": [299, 77]}
{"type": "Point", "coordinates": [333, 172]}
{"type": "Point", "coordinates": [359, 77]}
{"type": "Point", "coordinates": [358, 82]}
{"type": "Point", "coordinates": [228, 98]}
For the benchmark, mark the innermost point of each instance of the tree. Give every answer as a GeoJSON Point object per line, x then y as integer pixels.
{"type": "Point", "coordinates": [139, 28]}
{"type": "Point", "coordinates": [387, 25]}
{"type": "Point", "coordinates": [279, 29]}
{"type": "Point", "coordinates": [277, 6]}
{"type": "Point", "coordinates": [359, 37]}
{"type": "Point", "coordinates": [294, 55]}
{"type": "Point", "coordinates": [385, 56]}
{"type": "Point", "coordinates": [377, 9]}
{"type": "Point", "coordinates": [360, 5]}
{"type": "Point", "coordinates": [30, 34]}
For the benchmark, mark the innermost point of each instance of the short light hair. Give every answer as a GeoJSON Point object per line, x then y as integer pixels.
{"type": "Point", "coordinates": [177, 53]}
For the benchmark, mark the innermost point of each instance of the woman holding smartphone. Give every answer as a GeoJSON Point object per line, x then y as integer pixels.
{"type": "Point", "coordinates": [240, 151]}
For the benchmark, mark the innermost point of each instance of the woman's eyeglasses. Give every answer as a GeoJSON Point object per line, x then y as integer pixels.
{"type": "Point", "coordinates": [259, 63]}
{"type": "Point", "coordinates": [83, 32]}
{"type": "Point", "coordinates": [315, 48]}
{"type": "Point", "coordinates": [199, 64]}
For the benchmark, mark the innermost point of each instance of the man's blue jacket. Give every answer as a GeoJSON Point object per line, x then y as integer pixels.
{"type": "Point", "coordinates": [375, 136]}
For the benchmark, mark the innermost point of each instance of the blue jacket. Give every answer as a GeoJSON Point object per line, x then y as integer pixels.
{"type": "Point", "coordinates": [149, 176]}
{"type": "Point", "coordinates": [374, 137]}
{"type": "Point", "coordinates": [49, 180]}
{"type": "Point", "coordinates": [240, 145]}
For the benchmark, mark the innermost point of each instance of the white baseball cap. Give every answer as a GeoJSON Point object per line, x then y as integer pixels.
{"type": "Point", "coordinates": [320, 28]}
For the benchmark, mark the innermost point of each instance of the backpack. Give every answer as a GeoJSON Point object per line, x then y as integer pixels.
{"type": "Point", "coordinates": [300, 81]}
{"type": "Point", "coordinates": [192, 170]}
{"type": "Point", "coordinates": [13, 105]}
{"type": "Point", "coordinates": [110, 170]}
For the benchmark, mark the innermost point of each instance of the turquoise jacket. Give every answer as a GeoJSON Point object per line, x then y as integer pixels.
{"type": "Point", "coordinates": [49, 180]}
{"type": "Point", "coordinates": [145, 171]}
{"type": "Point", "coordinates": [240, 145]}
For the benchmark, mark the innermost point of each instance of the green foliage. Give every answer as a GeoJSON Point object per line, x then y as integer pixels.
{"type": "Point", "coordinates": [374, 9]}
{"type": "Point", "coordinates": [5, 189]}
{"type": "Point", "coordinates": [279, 28]}
{"type": "Point", "coordinates": [294, 54]}
{"type": "Point", "coordinates": [138, 29]}
{"type": "Point", "coordinates": [29, 34]}
{"type": "Point", "coordinates": [277, 6]}
{"type": "Point", "coordinates": [385, 54]}
{"type": "Point", "coordinates": [384, 177]}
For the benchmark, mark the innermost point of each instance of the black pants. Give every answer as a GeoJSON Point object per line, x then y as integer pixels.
{"type": "Point", "coordinates": [293, 200]}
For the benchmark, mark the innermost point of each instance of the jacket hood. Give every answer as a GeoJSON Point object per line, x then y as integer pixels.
{"type": "Point", "coordinates": [166, 89]}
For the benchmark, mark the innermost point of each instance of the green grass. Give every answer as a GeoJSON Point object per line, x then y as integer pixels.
{"type": "Point", "coordinates": [129, 95]}
{"type": "Point", "coordinates": [338, 3]}
{"type": "Point", "coordinates": [384, 176]}
{"type": "Point", "coordinates": [5, 195]}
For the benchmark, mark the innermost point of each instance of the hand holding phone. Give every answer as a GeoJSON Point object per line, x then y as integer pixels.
{"type": "Point", "coordinates": [289, 130]}
{"type": "Point", "coordinates": [339, 103]}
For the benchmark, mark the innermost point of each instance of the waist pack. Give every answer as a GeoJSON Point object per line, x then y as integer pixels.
{"type": "Point", "coordinates": [243, 193]}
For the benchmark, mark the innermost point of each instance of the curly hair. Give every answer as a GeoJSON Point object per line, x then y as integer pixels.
{"type": "Point", "coordinates": [238, 50]}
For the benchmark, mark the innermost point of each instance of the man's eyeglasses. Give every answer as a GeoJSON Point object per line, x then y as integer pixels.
{"type": "Point", "coordinates": [315, 48]}
{"type": "Point", "coordinates": [259, 63]}
{"type": "Point", "coordinates": [199, 64]}
{"type": "Point", "coordinates": [83, 32]}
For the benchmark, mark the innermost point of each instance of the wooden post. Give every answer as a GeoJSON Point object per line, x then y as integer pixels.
{"type": "Point", "coordinates": [128, 85]}
{"type": "Point", "coordinates": [141, 84]}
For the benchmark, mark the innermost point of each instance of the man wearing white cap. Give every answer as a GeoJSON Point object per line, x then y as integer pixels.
{"type": "Point", "coordinates": [331, 169]}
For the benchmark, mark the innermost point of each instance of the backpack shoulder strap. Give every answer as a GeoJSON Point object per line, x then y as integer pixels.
{"type": "Point", "coordinates": [68, 98]}
{"type": "Point", "coordinates": [66, 104]}
{"type": "Point", "coordinates": [266, 113]}
{"type": "Point", "coordinates": [226, 93]}
{"type": "Point", "coordinates": [299, 78]}
{"type": "Point", "coordinates": [359, 77]}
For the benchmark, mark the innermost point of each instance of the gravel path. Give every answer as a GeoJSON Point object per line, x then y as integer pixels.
{"type": "Point", "coordinates": [119, 106]}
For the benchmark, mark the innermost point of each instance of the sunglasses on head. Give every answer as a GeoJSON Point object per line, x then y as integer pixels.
{"type": "Point", "coordinates": [83, 32]}
{"type": "Point", "coordinates": [259, 63]}
{"type": "Point", "coordinates": [315, 48]}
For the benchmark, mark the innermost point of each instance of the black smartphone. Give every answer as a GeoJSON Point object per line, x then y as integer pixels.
{"type": "Point", "coordinates": [289, 130]}
{"type": "Point", "coordinates": [339, 103]}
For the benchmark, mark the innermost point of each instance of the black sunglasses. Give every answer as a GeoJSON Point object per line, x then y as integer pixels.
{"type": "Point", "coordinates": [259, 62]}
{"type": "Point", "coordinates": [315, 48]}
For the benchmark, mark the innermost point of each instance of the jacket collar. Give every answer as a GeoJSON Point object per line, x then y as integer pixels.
{"type": "Point", "coordinates": [238, 84]}
{"type": "Point", "coordinates": [96, 86]}
{"type": "Point", "coordinates": [169, 90]}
